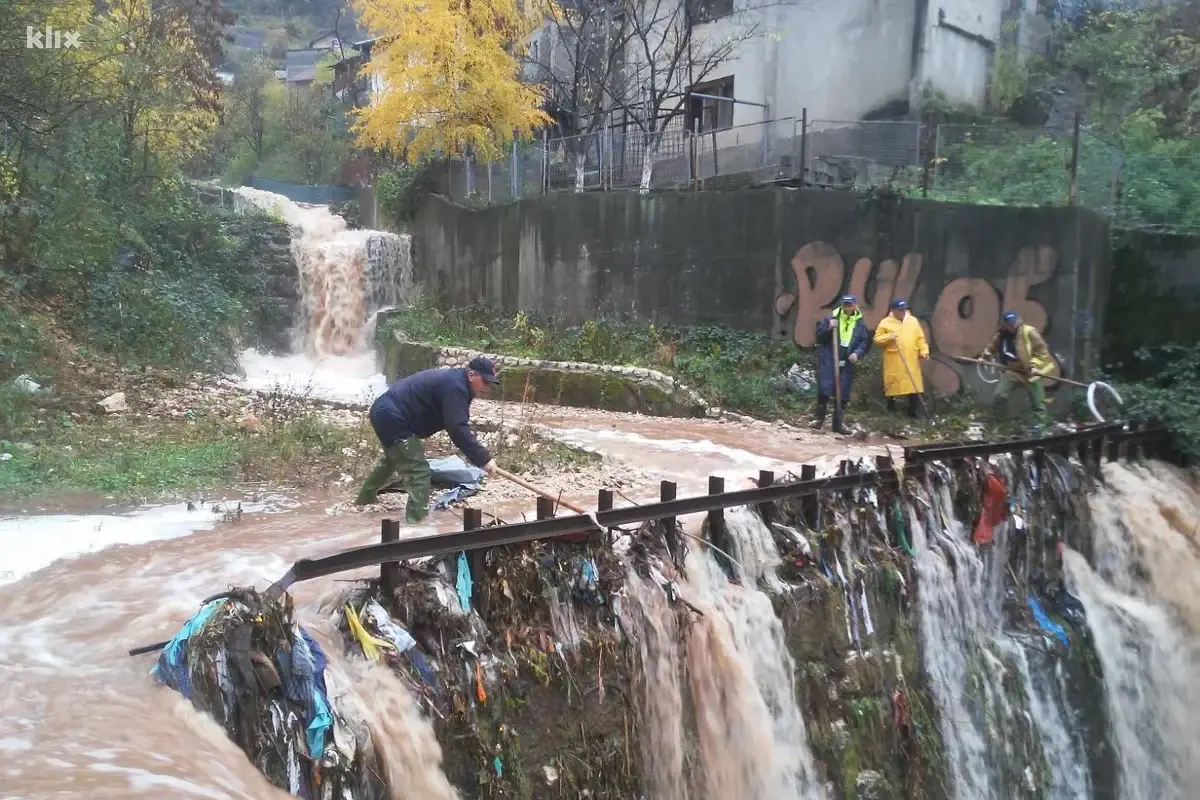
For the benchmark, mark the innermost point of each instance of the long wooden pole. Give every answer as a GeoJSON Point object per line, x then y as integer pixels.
{"type": "Point", "coordinates": [1019, 374]}
{"type": "Point", "coordinates": [539, 492]}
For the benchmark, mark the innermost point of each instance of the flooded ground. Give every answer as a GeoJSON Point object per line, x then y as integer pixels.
{"type": "Point", "coordinates": [79, 716]}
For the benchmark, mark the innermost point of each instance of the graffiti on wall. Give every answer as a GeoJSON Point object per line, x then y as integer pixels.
{"type": "Point", "coordinates": [964, 315]}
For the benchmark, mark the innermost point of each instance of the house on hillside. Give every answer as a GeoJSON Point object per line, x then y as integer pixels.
{"type": "Point", "coordinates": [349, 85]}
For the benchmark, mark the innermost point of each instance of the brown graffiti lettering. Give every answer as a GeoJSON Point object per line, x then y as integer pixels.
{"type": "Point", "coordinates": [965, 315]}
{"type": "Point", "coordinates": [819, 272]}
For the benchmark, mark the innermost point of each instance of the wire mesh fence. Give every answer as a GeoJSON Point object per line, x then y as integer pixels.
{"type": "Point", "coordinates": [1003, 165]}
{"type": "Point", "coordinates": [848, 154]}
{"type": "Point", "coordinates": [1161, 190]}
{"type": "Point", "coordinates": [988, 164]}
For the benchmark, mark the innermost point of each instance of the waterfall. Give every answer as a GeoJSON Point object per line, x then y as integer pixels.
{"type": "Point", "coordinates": [1006, 728]}
{"type": "Point", "coordinates": [1141, 591]}
{"type": "Point", "coordinates": [750, 735]}
{"type": "Point", "coordinates": [345, 277]}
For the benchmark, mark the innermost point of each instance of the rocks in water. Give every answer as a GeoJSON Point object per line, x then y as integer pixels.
{"type": "Point", "coordinates": [870, 785]}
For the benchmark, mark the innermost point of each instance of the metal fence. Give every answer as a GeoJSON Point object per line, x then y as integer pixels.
{"type": "Point", "coordinates": [989, 164]}
{"type": "Point", "coordinates": [1008, 165]}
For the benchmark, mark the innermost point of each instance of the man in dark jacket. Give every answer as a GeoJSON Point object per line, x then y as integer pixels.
{"type": "Point", "coordinates": [415, 408]}
{"type": "Point", "coordinates": [846, 322]}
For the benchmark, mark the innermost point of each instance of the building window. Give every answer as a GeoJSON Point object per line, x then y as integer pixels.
{"type": "Point", "coordinates": [707, 114]}
{"type": "Point", "coordinates": [708, 10]}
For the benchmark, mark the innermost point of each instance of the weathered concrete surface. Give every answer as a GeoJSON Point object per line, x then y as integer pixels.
{"type": "Point", "coordinates": [566, 383]}
{"type": "Point", "coordinates": [771, 260]}
{"type": "Point", "coordinates": [1155, 292]}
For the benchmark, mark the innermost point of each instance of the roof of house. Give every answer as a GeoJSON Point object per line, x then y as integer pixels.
{"type": "Point", "coordinates": [301, 65]}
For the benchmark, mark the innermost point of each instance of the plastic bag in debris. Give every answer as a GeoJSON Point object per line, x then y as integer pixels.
{"type": "Point", "coordinates": [587, 581]}
{"type": "Point", "coordinates": [460, 479]}
{"type": "Point", "coordinates": [995, 508]}
{"type": "Point", "coordinates": [1045, 623]}
{"type": "Point", "coordinates": [387, 635]}
{"type": "Point", "coordinates": [242, 659]}
{"type": "Point", "coordinates": [798, 381]}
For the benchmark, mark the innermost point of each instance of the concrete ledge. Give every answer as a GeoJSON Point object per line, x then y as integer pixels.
{"type": "Point", "coordinates": [564, 383]}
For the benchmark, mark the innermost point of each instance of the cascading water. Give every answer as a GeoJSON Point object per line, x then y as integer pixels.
{"type": "Point", "coordinates": [1141, 591]}
{"type": "Point", "coordinates": [345, 278]}
{"type": "Point", "coordinates": [979, 666]}
{"type": "Point", "coordinates": [750, 737]}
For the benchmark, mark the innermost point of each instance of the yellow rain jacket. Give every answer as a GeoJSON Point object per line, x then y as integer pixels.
{"type": "Point", "coordinates": [910, 342]}
{"type": "Point", "coordinates": [1032, 353]}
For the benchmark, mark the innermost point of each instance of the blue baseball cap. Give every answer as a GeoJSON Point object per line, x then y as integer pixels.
{"type": "Point", "coordinates": [849, 299]}
{"type": "Point", "coordinates": [900, 305]}
{"type": "Point", "coordinates": [1009, 316]}
{"type": "Point", "coordinates": [485, 368]}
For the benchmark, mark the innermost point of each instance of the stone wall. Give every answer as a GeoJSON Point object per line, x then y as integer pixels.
{"type": "Point", "coordinates": [771, 260]}
{"type": "Point", "coordinates": [566, 383]}
{"type": "Point", "coordinates": [265, 264]}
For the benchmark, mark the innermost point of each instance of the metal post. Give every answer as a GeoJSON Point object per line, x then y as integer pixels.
{"type": "Point", "coordinates": [489, 181]}
{"type": "Point", "coordinates": [1132, 449]}
{"type": "Point", "coordinates": [514, 177]}
{"type": "Point", "coordinates": [389, 571]}
{"type": "Point", "coordinates": [804, 146]}
{"type": "Point", "coordinates": [716, 517]}
{"type": "Point", "coordinates": [766, 510]}
{"type": "Point", "coordinates": [604, 502]}
{"type": "Point", "coordinates": [808, 504]}
{"type": "Point", "coordinates": [545, 162]}
{"type": "Point", "coordinates": [1073, 188]}
{"type": "Point", "coordinates": [545, 508]}
{"type": "Point", "coordinates": [1114, 449]}
{"type": "Point", "coordinates": [667, 490]}
{"type": "Point", "coordinates": [477, 560]}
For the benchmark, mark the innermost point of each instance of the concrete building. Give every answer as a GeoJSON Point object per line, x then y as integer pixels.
{"type": "Point", "coordinates": [843, 60]}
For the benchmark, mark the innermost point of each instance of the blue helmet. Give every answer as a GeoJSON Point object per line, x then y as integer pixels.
{"type": "Point", "coordinates": [1009, 317]}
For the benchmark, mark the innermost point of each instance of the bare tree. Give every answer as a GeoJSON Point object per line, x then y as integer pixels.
{"type": "Point", "coordinates": [674, 45]}
{"type": "Point", "coordinates": [578, 57]}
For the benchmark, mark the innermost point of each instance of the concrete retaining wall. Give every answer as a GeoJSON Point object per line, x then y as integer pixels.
{"type": "Point", "coordinates": [566, 383]}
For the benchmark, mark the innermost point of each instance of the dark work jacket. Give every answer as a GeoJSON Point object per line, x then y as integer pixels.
{"type": "Point", "coordinates": [425, 403]}
{"type": "Point", "coordinates": [860, 340]}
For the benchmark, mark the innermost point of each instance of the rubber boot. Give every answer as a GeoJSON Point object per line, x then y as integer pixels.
{"type": "Point", "coordinates": [822, 408]}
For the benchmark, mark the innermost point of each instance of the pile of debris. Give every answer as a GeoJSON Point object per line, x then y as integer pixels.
{"type": "Point", "coordinates": [518, 660]}
{"type": "Point", "coordinates": [243, 660]}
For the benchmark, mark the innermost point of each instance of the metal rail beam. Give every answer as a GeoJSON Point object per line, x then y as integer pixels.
{"type": "Point", "coordinates": [519, 533]}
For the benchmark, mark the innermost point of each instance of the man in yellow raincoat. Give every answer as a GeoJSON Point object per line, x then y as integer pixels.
{"type": "Point", "coordinates": [904, 348]}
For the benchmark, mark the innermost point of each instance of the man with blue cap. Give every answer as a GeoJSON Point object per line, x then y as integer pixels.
{"type": "Point", "coordinates": [904, 348]}
{"type": "Point", "coordinates": [838, 356]}
{"type": "Point", "coordinates": [1024, 358]}
{"type": "Point", "coordinates": [415, 408]}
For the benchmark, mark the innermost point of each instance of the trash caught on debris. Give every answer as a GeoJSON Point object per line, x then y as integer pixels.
{"type": "Point", "coordinates": [242, 659]}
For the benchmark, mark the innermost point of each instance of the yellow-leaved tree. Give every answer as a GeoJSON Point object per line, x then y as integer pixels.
{"type": "Point", "coordinates": [450, 71]}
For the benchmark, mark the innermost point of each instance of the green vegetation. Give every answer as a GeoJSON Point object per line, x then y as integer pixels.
{"type": "Point", "coordinates": [1138, 153]}
{"type": "Point", "coordinates": [1168, 391]}
{"type": "Point", "coordinates": [57, 451]}
{"type": "Point", "coordinates": [298, 134]}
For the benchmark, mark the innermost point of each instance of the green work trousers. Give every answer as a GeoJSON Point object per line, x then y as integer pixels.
{"type": "Point", "coordinates": [1037, 397]}
{"type": "Point", "coordinates": [408, 460]}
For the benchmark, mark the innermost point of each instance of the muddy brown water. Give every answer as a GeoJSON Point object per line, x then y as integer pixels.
{"type": "Point", "coordinates": [79, 717]}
